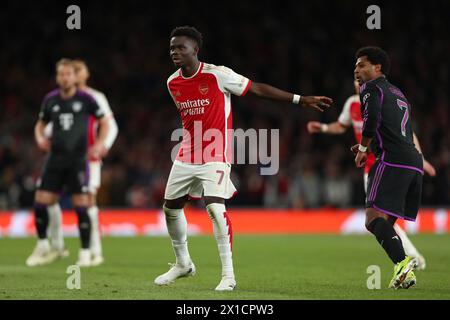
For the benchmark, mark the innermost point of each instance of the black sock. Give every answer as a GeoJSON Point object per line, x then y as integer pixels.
{"type": "Point", "coordinates": [41, 219]}
{"type": "Point", "coordinates": [84, 225]}
{"type": "Point", "coordinates": [388, 238]}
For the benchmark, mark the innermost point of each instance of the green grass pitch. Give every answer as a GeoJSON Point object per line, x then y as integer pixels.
{"type": "Point", "coordinates": [267, 267]}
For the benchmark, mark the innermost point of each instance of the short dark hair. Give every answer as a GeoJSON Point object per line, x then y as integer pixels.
{"type": "Point", "coordinates": [376, 55]}
{"type": "Point", "coordinates": [190, 32]}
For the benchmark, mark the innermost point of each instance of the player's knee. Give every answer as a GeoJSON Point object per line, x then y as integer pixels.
{"type": "Point", "coordinates": [175, 203]}
{"type": "Point", "coordinates": [368, 224]}
{"type": "Point", "coordinates": [80, 200]}
{"type": "Point", "coordinates": [172, 213]}
{"type": "Point", "coordinates": [371, 216]}
{"type": "Point", "coordinates": [45, 198]}
{"type": "Point", "coordinates": [211, 200]}
{"type": "Point", "coordinates": [92, 200]}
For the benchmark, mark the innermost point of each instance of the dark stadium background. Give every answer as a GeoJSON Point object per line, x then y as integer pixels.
{"type": "Point", "coordinates": [306, 47]}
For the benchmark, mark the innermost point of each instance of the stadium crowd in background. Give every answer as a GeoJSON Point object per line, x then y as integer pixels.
{"type": "Point", "coordinates": [283, 45]}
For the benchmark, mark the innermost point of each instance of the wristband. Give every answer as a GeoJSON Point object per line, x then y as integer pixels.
{"type": "Point", "coordinates": [324, 127]}
{"type": "Point", "coordinates": [361, 148]}
{"type": "Point", "coordinates": [296, 99]}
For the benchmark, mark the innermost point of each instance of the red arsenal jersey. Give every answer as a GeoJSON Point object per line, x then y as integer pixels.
{"type": "Point", "coordinates": [204, 103]}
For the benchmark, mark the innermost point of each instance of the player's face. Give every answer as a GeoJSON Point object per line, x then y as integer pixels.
{"type": "Point", "coordinates": [183, 50]}
{"type": "Point", "coordinates": [365, 71]}
{"type": "Point", "coordinates": [82, 76]}
{"type": "Point", "coordinates": [65, 77]}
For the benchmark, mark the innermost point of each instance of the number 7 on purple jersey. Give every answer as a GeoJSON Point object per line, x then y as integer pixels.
{"type": "Point", "coordinates": [403, 105]}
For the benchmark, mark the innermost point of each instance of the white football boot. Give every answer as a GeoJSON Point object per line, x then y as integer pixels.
{"type": "Point", "coordinates": [226, 284]}
{"type": "Point", "coordinates": [176, 271]}
{"type": "Point", "coordinates": [97, 260]}
{"type": "Point", "coordinates": [84, 258]}
{"type": "Point", "coordinates": [42, 254]}
{"type": "Point", "coordinates": [64, 253]}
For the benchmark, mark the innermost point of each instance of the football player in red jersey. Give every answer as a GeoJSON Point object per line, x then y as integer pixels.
{"type": "Point", "coordinates": [202, 94]}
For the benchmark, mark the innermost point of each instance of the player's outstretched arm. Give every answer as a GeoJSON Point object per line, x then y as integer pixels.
{"type": "Point", "coordinates": [330, 128]}
{"type": "Point", "coordinates": [42, 141]}
{"type": "Point", "coordinates": [267, 91]}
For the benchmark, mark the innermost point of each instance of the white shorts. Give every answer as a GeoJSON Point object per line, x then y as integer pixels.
{"type": "Point", "coordinates": [94, 176]}
{"type": "Point", "coordinates": [211, 179]}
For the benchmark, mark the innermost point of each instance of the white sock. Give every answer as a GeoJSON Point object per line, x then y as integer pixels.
{"type": "Point", "coordinates": [96, 241]}
{"type": "Point", "coordinates": [224, 236]}
{"type": "Point", "coordinates": [55, 227]}
{"type": "Point", "coordinates": [410, 249]}
{"type": "Point", "coordinates": [177, 227]}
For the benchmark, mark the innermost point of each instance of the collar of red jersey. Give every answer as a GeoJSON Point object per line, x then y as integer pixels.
{"type": "Point", "coordinates": [200, 66]}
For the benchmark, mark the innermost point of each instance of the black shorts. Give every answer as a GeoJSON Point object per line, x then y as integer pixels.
{"type": "Point", "coordinates": [64, 174]}
{"type": "Point", "coordinates": [394, 190]}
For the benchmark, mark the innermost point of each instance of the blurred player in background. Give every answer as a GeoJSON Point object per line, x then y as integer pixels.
{"type": "Point", "coordinates": [56, 234]}
{"type": "Point", "coordinates": [351, 116]}
{"type": "Point", "coordinates": [70, 110]}
{"type": "Point", "coordinates": [394, 187]}
{"type": "Point", "coordinates": [202, 94]}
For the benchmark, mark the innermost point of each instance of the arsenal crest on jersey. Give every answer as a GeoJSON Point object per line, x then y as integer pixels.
{"type": "Point", "coordinates": [203, 88]}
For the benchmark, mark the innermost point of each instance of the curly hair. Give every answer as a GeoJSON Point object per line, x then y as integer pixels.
{"type": "Point", "coordinates": [189, 32]}
{"type": "Point", "coordinates": [376, 55]}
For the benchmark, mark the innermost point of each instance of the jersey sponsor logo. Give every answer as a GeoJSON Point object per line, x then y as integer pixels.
{"type": "Point", "coordinates": [56, 108]}
{"type": "Point", "coordinates": [66, 121]}
{"type": "Point", "coordinates": [181, 105]}
{"type": "Point", "coordinates": [366, 96]}
{"type": "Point", "coordinates": [76, 106]}
{"type": "Point", "coordinates": [203, 88]}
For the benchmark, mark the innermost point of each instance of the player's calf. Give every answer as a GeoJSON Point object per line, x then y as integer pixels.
{"type": "Point", "coordinates": [224, 237]}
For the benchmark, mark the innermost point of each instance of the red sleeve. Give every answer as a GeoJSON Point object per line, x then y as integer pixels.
{"type": "Point", "coordinates": [246, 88]}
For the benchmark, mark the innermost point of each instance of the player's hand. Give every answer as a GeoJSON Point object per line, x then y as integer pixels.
{"type": "Point", "coordinates": [43, 143]}
{"type": "Point", "coordinates": [354, 149]}
{"type": "Point", "coordinates": [314, 127]}
{"type": "Point", "coordinates": [98, 151]}
{"type": "Point", "coordinates": [360, 159]}
{"type": "Point", "coordinates": [428, 168]}
{"type": "Point", "coordinates": [317, 102]}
